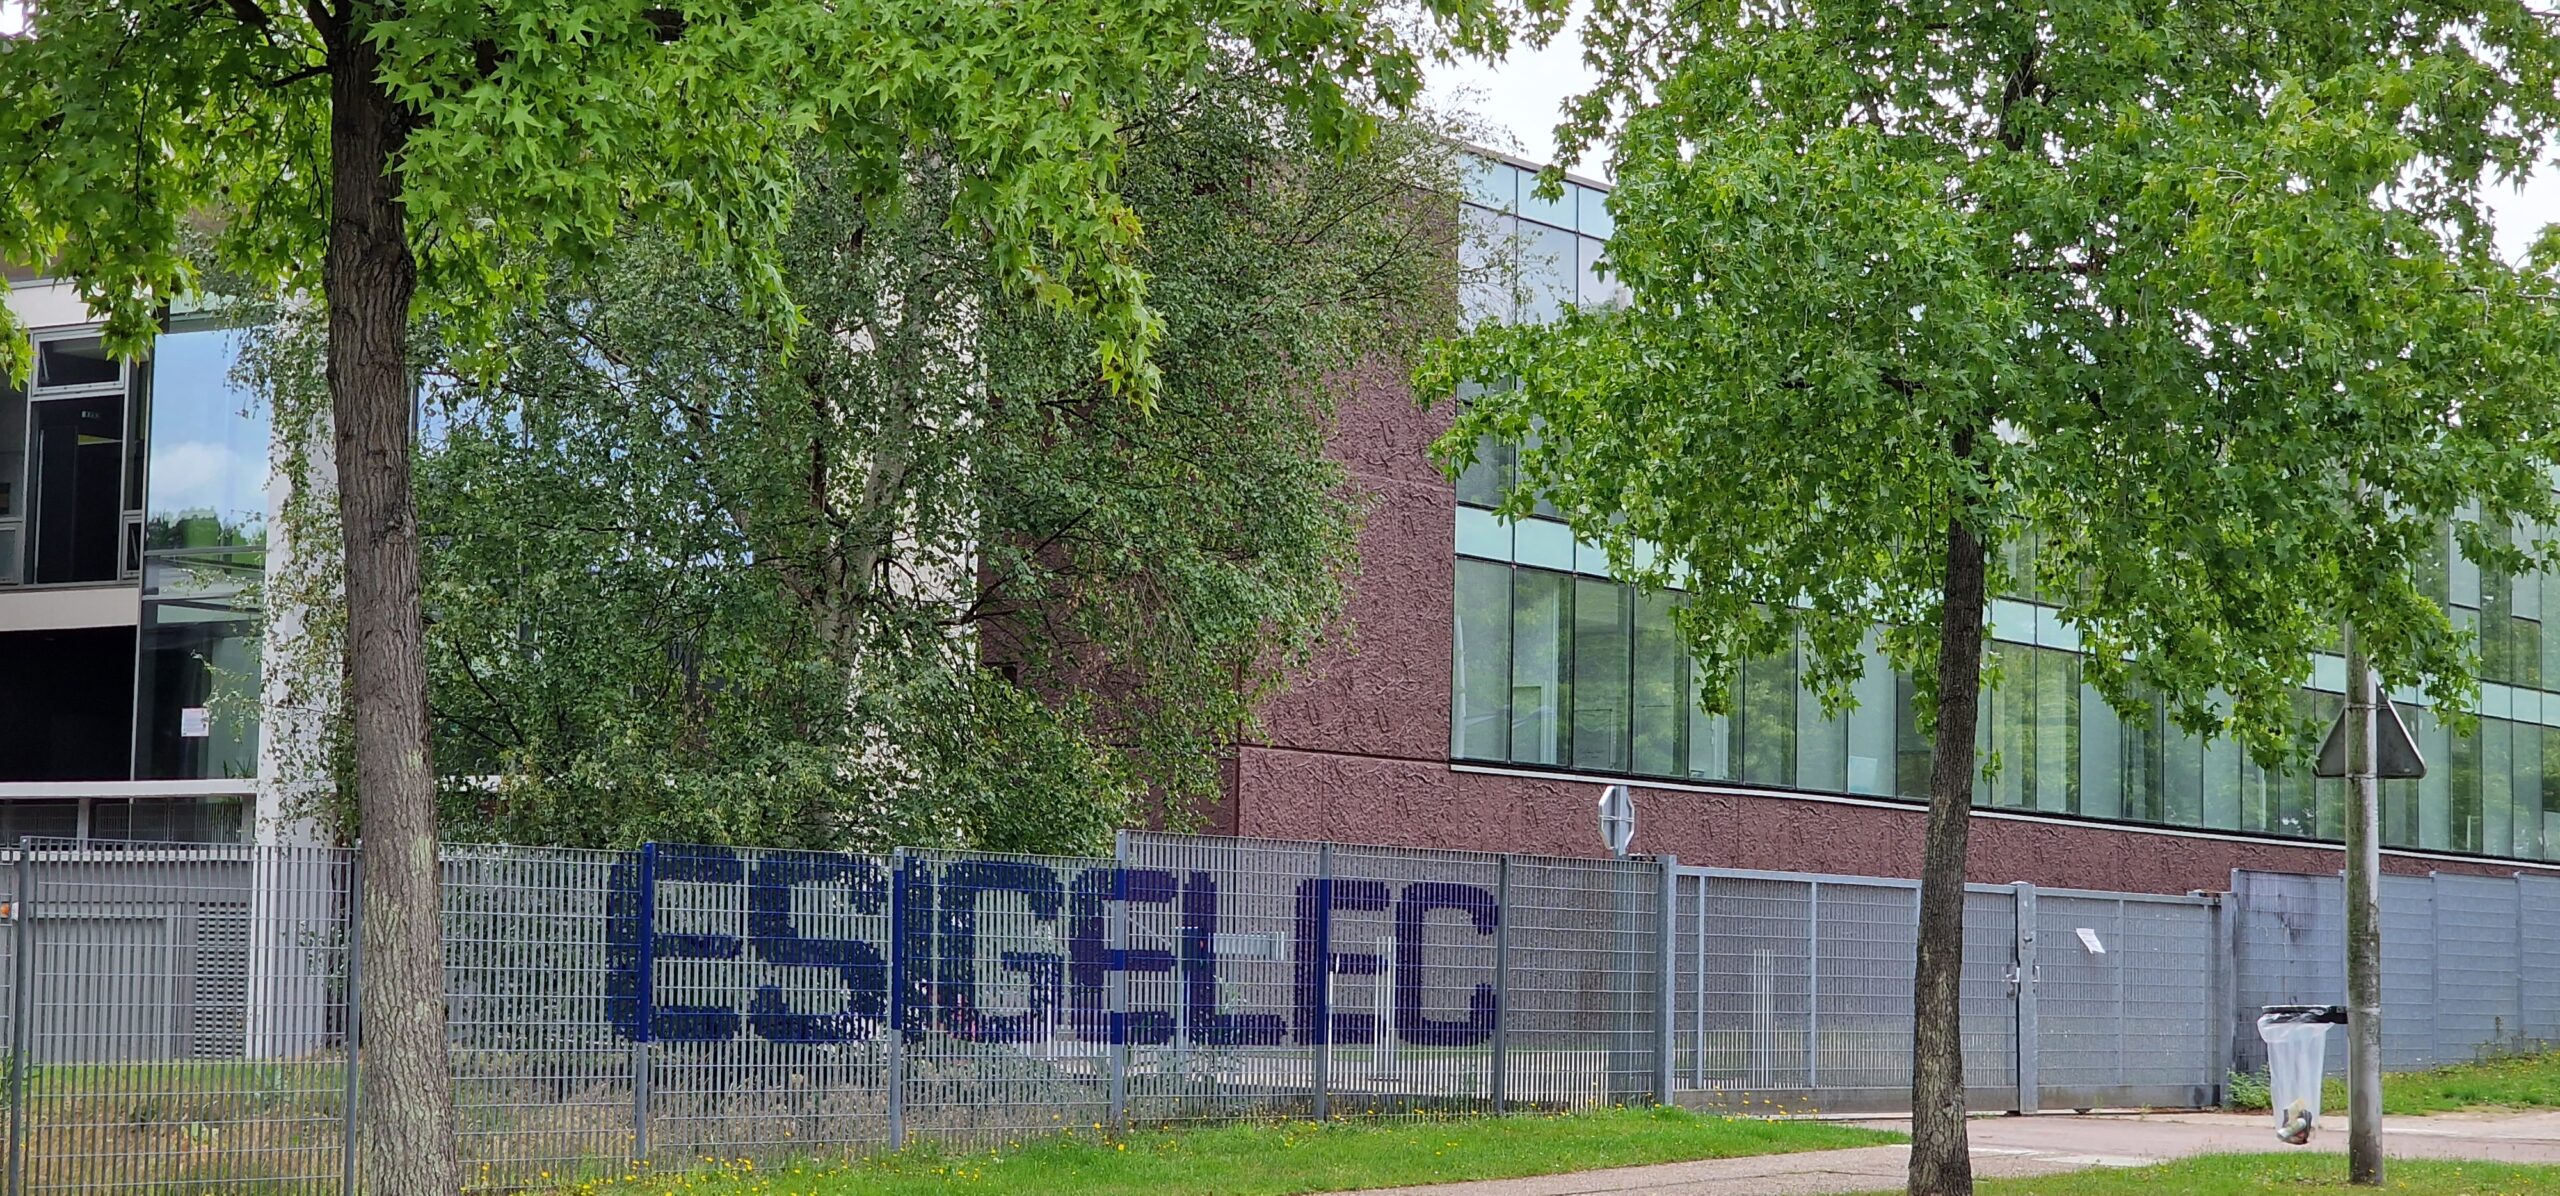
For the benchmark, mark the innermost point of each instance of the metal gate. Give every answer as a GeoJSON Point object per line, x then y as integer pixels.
{"type": "Point", "coordinates": [1793, 990]}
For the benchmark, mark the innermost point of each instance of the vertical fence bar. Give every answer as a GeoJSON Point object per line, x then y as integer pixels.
{"type": "Point", "coordinates": [1698, 1053]}
{"type": "Point", "coordinates": [896, 1080]}
{"type": "Point", "coordinates": [1502, 984]}
{"type": "Point", "coordinates": [2225, 1001]}
{"type": "Point", "coordinates": [1323, 1063]}
{"type": "Point", "coordinates": [348, 1093]}
{"type": "Point", "coordinates": [22, 1006]}
{"type": "Point", "coordinates": [1116, 956]}
{"type": "Point", "coordinates": [1813, 984]}
{"type": "Point", "coordinates": [1666, 974]}
{"type": "Point", "coordinates": [645, 993]}
{"type": "Point", "coordinates": [2024, 895]}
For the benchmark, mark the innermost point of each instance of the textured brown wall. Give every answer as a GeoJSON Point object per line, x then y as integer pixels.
{"type": "Point", "coordinates": [1357, 749]}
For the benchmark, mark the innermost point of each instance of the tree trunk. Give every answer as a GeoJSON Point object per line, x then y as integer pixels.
{"type": "Point", "coordinates": [370, 275]}
{"type": "Point", "coordinates": [1940, 1165]}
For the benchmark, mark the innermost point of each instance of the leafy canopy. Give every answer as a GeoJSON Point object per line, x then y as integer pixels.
{"type": "Point", "coordinates": [925, 580]}
{"type": "Point", "coordinates": [2202, 292]}
{"type": "Point", "coordinates": [539, 128]}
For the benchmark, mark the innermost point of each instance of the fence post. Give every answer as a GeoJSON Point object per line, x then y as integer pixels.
{"type": "Point", "coordinates": [1323, 1062]}
{"type": "Point", "coordinates": [1812, 985]}
{"type": "Point", "coordinates": [1666, 972]}
{"type": "Point", "coordinates": [2024, 896]}
{"type": "Point", "coordinates": [22, 1006]}
{"type": "Point", "coordinates": [645, 995]}
{"type": "Point", "coordinates": [1116, 953]}
{"type": "Point", "coordinates": [896, 1082]}
{"type": "Point", "coordinates": [1502, 984]}
{"type": "Point", "coordinates": [2225, 1001]}
{"type": "Point", "coordinates": [348, 1093]}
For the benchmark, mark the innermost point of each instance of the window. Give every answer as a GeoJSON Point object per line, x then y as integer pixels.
{"type": "Point", "coordinates": [208, 454]}
{"type": "Point", "coordinates": [1480, 718]}
{"type": "Point", "coordinates": [1603, 613]}
{"type": "Point", "coordinates": [1541, 659]}
{"type": "Point", "coordinates": [66, 704]}
{"type": "Point", "coordinates": [66, 463]}
{"type": "Point", "coordinates": [1557, 669]}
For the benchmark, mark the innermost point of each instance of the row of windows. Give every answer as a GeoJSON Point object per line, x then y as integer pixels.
{"type": "Point", "coordinates": [1558, 670]}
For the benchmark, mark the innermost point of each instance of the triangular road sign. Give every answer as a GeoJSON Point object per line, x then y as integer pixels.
{"type": "Point", "coordinates": [2399, 755]}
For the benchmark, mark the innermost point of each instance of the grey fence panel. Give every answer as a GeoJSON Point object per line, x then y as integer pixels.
{"type": "Point", "coordinates": [2289, 947]}
{"type": "Point", "coordinates": [2409, 974]}
{"type": "Point", "coordinates": [2469, 965]}
{"type": "Point", "coordinates": [543, 1080]}
{"type": "Point", "coordinates": [2478, 964]}
{"type": "Point", "coordinates": [1581, 1007]}
{"type": "Point", "coordinates": [182, 1025]}
{"type": "Point", "coordinates": [2127, 1010]}
{"type": "Point", "coordinates": [1238, 1035]}
{"type": "Point", "coordinates": [1863, 962]}
{"type": "Point", "coordinates": [1991, 997]}
{"type": "Point", "coordinates": [2538, 924]}
{"type": "Point", "coordinates": [988, 999]}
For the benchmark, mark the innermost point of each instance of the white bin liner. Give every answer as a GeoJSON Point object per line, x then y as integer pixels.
{"type": "Point", "coordinates": [2295, 1048]}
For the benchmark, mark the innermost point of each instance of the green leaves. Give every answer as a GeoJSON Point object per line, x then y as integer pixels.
{"type": "Point", "coordinates": [925, 578]}
{"type": "Point", "coordinates": [539, 131]}
{"type": "Point", "coordinates": [2185, 275]}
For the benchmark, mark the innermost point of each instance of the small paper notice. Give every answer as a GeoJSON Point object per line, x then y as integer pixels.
{"type": "Point", "coordinates": [195, 722]}
{"type": "Point", "coordinates": [2089, 940]}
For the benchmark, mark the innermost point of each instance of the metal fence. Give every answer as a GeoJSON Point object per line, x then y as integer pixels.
{"type": "Point", "coordinates": [179, 1018]}
{"type": "Point", "coordinates": [1797, 991]}
{"type": "Point", "coordinates": [2470, 964]}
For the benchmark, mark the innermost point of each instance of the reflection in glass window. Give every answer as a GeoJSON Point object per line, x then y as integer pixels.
{"type": "Point", "coordinates": [1541, 652]}
{"type": "Point", "coordinates": [1557, 211]}
{"type": "Point", "coordinates": [1767, 726]}
{"type": "Point", "coordinates": [1494, 184]}
{"type": "Point", "coordinates": [1548, 271]}
{"type": "Point", "coordinates": [198, 688]}
{"type": "Point", "coordinates": [1480, 719]}
{"type": "Point", "coordinates": [13, 480]}
{"type": "Point", "coordinates": [1661, 688]}
{"type": "Point", "coordinates": [1602, 613]}
{"type": "Point", "coordinates": [208, 447]}
{"type": "Point", "coordinates": [1489, 279]}
{"type": "Point", "coordinates": [1552, 669]}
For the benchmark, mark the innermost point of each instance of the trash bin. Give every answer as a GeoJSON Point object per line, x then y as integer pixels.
{"type": "Point", "coordinates": [2297, 1038]}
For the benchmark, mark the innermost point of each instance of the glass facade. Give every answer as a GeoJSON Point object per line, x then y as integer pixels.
{"type": "Point", "coordinates": [204, 539]}
{"type": "Point", "coordinates": [151, 473]}
{"type": "Point", "coordinates": [1558, 665]}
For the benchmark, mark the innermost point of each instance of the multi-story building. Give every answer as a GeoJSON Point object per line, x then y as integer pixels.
{"type": "Point", "coordinates": [1497, 673]}
{"type": "Point", "coordinates": [1557, 678]}
{"type": "Point", "coordinates": [134, 503]}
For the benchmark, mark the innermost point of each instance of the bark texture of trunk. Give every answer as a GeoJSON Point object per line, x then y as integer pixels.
{"type": "Point", "coordinates": [407, 1142]}
{"type": "Point", "coordinates": [1940, 1165]}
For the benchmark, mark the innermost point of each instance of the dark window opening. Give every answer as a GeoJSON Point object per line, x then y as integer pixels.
{"type": "Point", "coordinates": [66, 705]}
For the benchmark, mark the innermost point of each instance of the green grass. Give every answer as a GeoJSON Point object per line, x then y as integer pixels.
{"type": "Point", "coordinates": [2282, 1175]}
{"type": "Point", "coordinates": [2517, 1082]}
{"type": "Point", "coordinates": [1273, 1159]}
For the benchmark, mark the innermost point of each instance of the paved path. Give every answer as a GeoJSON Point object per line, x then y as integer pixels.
{"type": "Point", "coordinates": [2024, 1146]}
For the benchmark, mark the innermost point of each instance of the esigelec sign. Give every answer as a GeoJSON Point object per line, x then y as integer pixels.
{"type": "Point", "coordinates": [931, 963]}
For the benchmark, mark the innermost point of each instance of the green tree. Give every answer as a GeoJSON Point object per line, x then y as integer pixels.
{"type": "Point", "coordinates": [2162, 281]}
{"type": "Point", "coordinates": [922, 579]}
{"type": "Point", "coordinates": [426, 158]}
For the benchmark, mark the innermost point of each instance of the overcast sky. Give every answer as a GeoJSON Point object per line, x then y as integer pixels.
{"type": "Point", "coordinates": [1522, 94]}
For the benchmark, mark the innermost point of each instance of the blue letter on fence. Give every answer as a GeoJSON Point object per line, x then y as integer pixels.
{"type": "Point", "coordinates": [962, 885]}
{"type": "Point", "coordinates": [1420, 899]}
{"type": "Point", "coordinates": [776, 941]}
{"type": "Point", "coordinates": [1200, 976]}
{"type": "Point", "coordinates": [694, 1023]}
{"type": "Point", "coordinates": [1317, 899]}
